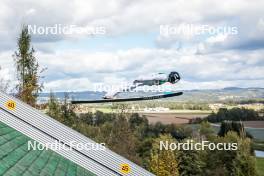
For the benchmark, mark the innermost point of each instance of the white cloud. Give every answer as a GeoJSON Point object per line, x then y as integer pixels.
{"type": "Point", "coordinates": [217, 38]}
{"type": "Point", "coordinates": [79, 84]}
{"type": "Point", "coordinates": [129, 16]}
{"type": "Point", "coordinates": [30, 11]}
{"type": "Point", "coordinates": [126, 65]}
{"type": "Point", "coordinates": [77, 70]}
{"type": "Point", "coordinates": [7, 65]}
{"type": "Point", "coordinates": [205, 61]}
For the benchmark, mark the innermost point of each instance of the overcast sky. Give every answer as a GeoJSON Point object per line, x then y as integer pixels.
{"type": "Point", "coordinates": [133, 45]}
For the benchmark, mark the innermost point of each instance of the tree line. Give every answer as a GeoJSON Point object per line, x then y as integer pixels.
{"type": "Point", "coordinates": [234, 114]}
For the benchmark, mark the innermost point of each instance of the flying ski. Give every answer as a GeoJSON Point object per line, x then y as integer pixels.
{"type": "Point", "coordinates": [152, 80]}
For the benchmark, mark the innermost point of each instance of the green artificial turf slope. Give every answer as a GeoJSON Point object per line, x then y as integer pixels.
{"type": "Point", "coordinates": [17, 160]}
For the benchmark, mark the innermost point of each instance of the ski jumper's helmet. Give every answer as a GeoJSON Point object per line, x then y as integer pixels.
{"type": "Point", "coordinates": [174, 77]}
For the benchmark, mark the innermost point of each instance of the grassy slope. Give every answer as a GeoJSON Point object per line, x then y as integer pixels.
{"type": "Point", "coordinates": [260, 166]}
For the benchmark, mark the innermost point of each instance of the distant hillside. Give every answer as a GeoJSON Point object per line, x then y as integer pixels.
{"type": "Point", "coordinates": [214, 95]}
{"type": "Point", "coordinates": [85, 95]}
{"type": "Point", "coordinates": [220, 95]}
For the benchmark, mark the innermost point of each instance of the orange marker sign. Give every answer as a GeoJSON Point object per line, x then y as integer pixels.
{"type": "Point", "coordinates": [10, 105]}
{"type": "Point", "coordinates": [125, 168]}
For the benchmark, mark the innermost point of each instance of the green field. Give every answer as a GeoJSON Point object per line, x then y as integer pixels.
{"type": "Point", "coordinates": [260, 166]}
